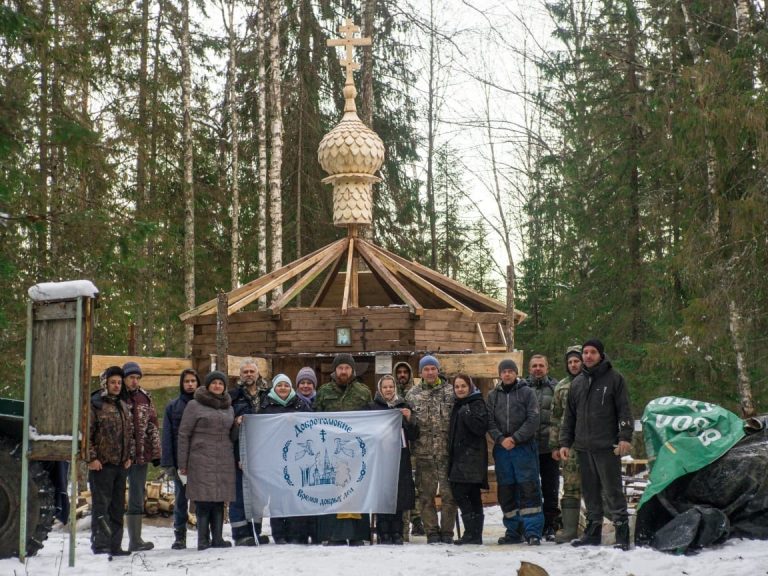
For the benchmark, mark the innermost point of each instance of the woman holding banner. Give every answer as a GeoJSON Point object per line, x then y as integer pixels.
{"type": "Point", "coordinates": [468, 456]}
{"type": "Point", "coordinates": [389, 527]}
{"type": "Point", "coordinates": [282, 399]}
{"type": "Point", "coordinates": [206, 457]}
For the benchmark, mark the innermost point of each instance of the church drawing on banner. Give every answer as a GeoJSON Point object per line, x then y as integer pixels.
{"type": "Point", "coordinates": [313, 476]}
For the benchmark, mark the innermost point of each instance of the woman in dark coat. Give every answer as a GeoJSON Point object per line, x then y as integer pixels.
{"type": "Point", "coordinates": [282, 399]}
{"type": "Point", "coordinates": [468, 456]}
{"type": "Point", "coordinates": [111, 449]}
{"type": "Point", "coordinates": [206, 457]}
{"type": "Point", "coordinates": [389, 527]}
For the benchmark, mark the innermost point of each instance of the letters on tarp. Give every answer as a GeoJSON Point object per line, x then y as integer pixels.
{"type": "Point", "coordinates": [307, 464]}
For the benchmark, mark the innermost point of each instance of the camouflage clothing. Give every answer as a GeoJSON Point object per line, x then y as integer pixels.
{"type": "Point", "coordinates": [545, 391]}
{"type": "Point", "coordinates": [111, 439]}
{"type": "Point", "coordinates": [569, 468]}
{"type": "Point", "coordinates": [432, 407]}
{"type": "Point", "coordinates": [333, 398]}
{"type": "Point", "coordinates": [145, 427]}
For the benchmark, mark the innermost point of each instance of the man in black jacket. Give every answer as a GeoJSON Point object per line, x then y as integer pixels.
{"type": "Point", "coordinates": [597, 424]}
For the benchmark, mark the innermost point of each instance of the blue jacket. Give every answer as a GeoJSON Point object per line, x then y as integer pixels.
{"type": "Point", "coordinates": [171, 423]}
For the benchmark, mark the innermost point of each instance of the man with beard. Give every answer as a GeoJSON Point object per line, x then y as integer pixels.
{"type": "Point", "coordinates": [549, 469]}
{"type": "Point", "coordinates": [146, 431]}
{"type": "Point", "coordinates": [246, 399]}
{"type": "Point", "coordinates": [570, 504]}
{"type": "Point", "coordinates": [598, 425]}
{"type": "Point", "coordinates": [344, 393]}
{"type": "Point", "coordinates": [412, 519]}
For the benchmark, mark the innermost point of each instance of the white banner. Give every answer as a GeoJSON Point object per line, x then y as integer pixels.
{"type": "Point", "coordinates": [312, 463]}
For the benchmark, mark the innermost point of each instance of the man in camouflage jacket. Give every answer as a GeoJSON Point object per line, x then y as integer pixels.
{"type": "Point", "coordinates": [432, 401]}
{"type": "Point", "coordinates": [146, 431]}
{"type": "Point", "coordinates": [570, 504]}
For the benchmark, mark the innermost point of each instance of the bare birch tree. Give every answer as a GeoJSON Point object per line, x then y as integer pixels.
{"type": "Point", "coordinates": [188, 187]}
{"type": "Point", "coordinates": [276, 149]}
{"type": "Point", "coordinates": [261, 140]}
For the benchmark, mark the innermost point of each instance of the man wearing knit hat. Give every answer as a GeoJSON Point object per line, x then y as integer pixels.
{"type": "Point", "coordinates": [570, 504]}
{"type": "Point", "coordinates": [513, 419]}
{"type": "Point", "coordinates": [598, 425]}
{"type": "Point", "coordinates": [432, 401]}
{"type": "Point", "coordinates": [146, 430]}
{"type": "Point", "coordinates": [343, 393]}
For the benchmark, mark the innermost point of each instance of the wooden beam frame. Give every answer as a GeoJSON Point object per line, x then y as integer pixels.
{"type": "Point", "coordinates": [348, 279]}
{"type": "Point", "coordinates": [304, 281]}
{"type": "Point", "coordinates": [379, 268]}
{"type": "Point", "coordinates": [333, 271]}
{"type": "Point", "coordinates": [246, 290]}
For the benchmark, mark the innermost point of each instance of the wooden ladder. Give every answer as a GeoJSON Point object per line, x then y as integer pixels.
{"type": "Point", "coordinates": [487, 348]}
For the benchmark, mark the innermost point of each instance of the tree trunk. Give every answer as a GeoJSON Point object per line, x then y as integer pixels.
{"type": "Point", "coordinates": [222, 332]}
{"type": "Point", "coordinates": [431, 209]}
{"type": "Point", "coordinates": [510, 311]}
{"type": "Point", "coordinates": [276, 158]}
{"type": "Point", "coordinates": [43, 148]}
{"type": "Point", "coordinates": [261, 142]}
{"type": "Point", "coordinates": [234, 120]}
{"type": "Point", "coordinates": [189, 191]}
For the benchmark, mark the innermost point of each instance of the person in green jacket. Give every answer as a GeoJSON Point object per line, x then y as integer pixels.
{"type": "Point", "coordinates": [343, 393]}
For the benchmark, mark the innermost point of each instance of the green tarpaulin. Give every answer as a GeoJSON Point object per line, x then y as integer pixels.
{"type": "Point", "coordinates": [682, 436]}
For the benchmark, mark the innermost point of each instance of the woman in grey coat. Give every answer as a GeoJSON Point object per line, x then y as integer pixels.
{"type": "Point", "coordinates": [206, 457]}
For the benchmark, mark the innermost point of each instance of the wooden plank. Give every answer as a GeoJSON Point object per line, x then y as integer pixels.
{"type": "Point", "coordinates": [267, 279]}
{"type": "Point", "coordinates": [240, 327]}
{"type": "Point", "coordinates": [393, 266]}
{"type": "Point", "coordinates": [482, 338]}
{"type": "Point", "coordinates": [303, 282]}
{"type": "Point", "coordinates": [348, 281]}
{"type": "Point", "coordinates": [386, 324]}
{"type": "Point", "coordinates": [239, 337]}
{"type": "Point", "coordinates": [333, 271]}
{"type": "Point", "coordinates": [66, 310]}
{"type": "Point", "coordinates": [263, 364]}
{"type": "Point", "coordinates": [150, 365]}
{"type": "Point", "coordinates": [354, 286]}
{"type": "Point", "coordinates": [477, 365]}
{"type": "Point", "coordinates": [386, 276]}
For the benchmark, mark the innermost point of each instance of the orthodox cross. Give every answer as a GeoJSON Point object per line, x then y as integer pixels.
{"type": "Point", "coordinates": [363, 331]}
{"type": "Point", "coordinates": [348, 30]}
{"type": "Point", "coordinates": [322, 435]}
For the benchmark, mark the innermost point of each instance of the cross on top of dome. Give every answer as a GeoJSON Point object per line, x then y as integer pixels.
{"type": "Point", "coordinates": [348, 31]}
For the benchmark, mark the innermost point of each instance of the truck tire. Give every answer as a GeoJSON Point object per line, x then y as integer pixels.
{"type": "Point", "coordinates": [40, 507]}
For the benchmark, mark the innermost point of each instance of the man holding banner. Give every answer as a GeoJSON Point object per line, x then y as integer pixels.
{"type": "Point", "coordinates": [340, 465]}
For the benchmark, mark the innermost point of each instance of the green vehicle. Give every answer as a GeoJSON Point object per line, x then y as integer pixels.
{"type": "Point", "coordinates": [42, 507]}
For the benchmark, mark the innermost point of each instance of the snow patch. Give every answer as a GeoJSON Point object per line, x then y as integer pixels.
{"type": "Point", "coordinates": [35, 435]}
{"type": "Point", "coordinates": [46, 291]}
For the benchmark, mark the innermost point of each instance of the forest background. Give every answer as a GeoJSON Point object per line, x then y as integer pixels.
{"type": "Point", "coordinates": [614, 152]}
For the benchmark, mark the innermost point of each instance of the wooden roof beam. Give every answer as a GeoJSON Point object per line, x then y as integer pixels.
{"type": "Point", "coordinates": [333, 271]}
{"type": "Point", "coordinates": [348, 279]}
{"type": "Point", "coordinates": [424, 284]}
{"type": "Point", "coordinates": [209, 307]}
{"type": "Point", "coordinates": [381, 270]}
{"type": "Point", "coordinates": [304, 281]}
{"type": "Point", "coordinates": [445, 281]}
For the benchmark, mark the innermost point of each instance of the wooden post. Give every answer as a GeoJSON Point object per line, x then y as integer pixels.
{"type": "Point", "coordinates": [132, 339]}
{"type": "Point", "coordinates": [222, 332]}
{"type": "Point", "coordinates": [510, 307]}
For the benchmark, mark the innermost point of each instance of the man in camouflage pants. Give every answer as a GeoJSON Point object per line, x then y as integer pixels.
{"type": "Point", "coordinates": [432, 402]}
{"type": "Point", "coordinates": [570, 504]}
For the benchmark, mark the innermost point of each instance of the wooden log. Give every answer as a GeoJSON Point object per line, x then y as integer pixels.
{"type": "Point", "coordinates": [477, 365]}
{"type": "Point", "coordinates": [153, 366]}
{"type": "Point", "coordinates": [222, 333]}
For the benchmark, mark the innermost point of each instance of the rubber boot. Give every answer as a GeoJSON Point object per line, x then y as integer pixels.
{"type": "Point", "coordinates": [203, 510]}
{"type": "Point", "coordinates": [180, 542]}
{"type": "Point", "coordinates": [592, 535]}
{"type": "Point", "coordinates": [135, 543]}
{"type": "Point", "coordinates": [570, 512]}
{"type": "Point", "coordinates": [622, 535]}
{"type": "Point", "coordinates": [473, 529]}
{"type": "Point", "coordinates": [217, 526]}
{"type": "Point", "coordinates": [242, 535]}
{"type": "Point", "coordinates": [262, 538]}
{"type": "Point", "coordinates": [417, 526]}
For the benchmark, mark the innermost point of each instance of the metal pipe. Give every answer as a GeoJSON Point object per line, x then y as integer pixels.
{"type": "Point", "coordinates": [25, 441]}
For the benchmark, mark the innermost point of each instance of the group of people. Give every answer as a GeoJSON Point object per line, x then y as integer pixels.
{"type": "Point", "coordinates": [537, 425]}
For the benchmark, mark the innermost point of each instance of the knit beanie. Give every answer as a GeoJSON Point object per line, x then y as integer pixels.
{"type": "Point", "coordinates": [215, 375]}
{"type": "Point", "coordinates": [307, 373]}
{"type": "Point", "coordinates": [508, 364]}
{"type": "Point", "coordinates": [343, 358]}
{"type": "Point", "coordinates": [281, 378]}
{"type": "Point", "coordinates": [428, 361]}
{"type": "Point", "coordinates": [131, 368]}
{"type": "Point", "coordinates": [273, 393]}
{"type": "Point", "coordinates": [597, 344]}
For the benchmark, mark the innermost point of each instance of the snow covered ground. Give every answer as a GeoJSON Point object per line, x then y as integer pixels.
{"type": "Point", "coordinates": [415, 558]}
